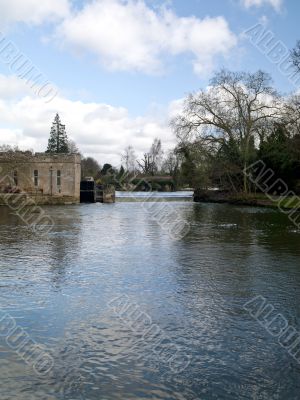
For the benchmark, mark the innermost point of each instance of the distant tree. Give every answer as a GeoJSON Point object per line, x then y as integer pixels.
{"type": "Point", "coordinates": [151, 163]}
{"type": "Point", "coordinates": [121, 177]}
{"type": "Point", "coordinates": [291, 114]}
{"type": "Point", "coordinates": [110, 175]}
{"type": "Point", "coordinates": [146, 164]}
{"type": "Point", "coordinates": [295, 54]}
{"type": "Point", "coordinates": [107, 169]}
{"type": "Point", "coordinates": [90, 167]}
{"type": "Point", "coordinates": [72, 147]}
{"type": "Point", "coordinates": [6, 148]}
{"type": "Point", "coordinates": [171, 163]}
{"type": "Point", "coordinates": [121, 171]}
{"type": "Point", "coordinates": [58, 141]}
{"type": "Point", "coordinates": [129, 159]}
{"type": "Point", "coordinates": [156, 153]}
{"type": "Point", "coordinates": [194, 165]}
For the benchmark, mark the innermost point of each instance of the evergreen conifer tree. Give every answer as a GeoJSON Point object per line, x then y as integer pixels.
{"type": "Point", "coordinates": [58, 141]}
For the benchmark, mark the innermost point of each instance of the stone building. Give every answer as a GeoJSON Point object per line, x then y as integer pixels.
{"type": "Point", "coordinates": [48, 178]}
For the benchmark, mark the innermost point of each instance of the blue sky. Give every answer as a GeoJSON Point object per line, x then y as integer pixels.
{"type": "Point", "coordinates": [121, 67]}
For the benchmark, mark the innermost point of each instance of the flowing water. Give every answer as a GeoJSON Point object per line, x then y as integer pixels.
{"type": "Point", "coordinates": [155, 196]}
{"type": "Point", "coordinates": [71, 290]}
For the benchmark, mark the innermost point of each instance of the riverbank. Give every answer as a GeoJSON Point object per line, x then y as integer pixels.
{"type": "Point", "coordinates": [254, 200]}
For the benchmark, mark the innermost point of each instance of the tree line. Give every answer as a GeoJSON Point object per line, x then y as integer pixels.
{"type": "Point", "coordinates": [238, 119]}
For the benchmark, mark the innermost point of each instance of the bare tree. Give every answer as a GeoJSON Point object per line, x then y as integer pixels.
{"type": "Point", "coordinates": [232, 110]}
{"type": "Point", "coordinates": [72, 147]}
{"type": "Point", "coordinates": [151, 163]}
{"type": "Point", "coordinates": [129, 159]}
{"type": "Point", "coordinates": [6, 148]}
{"type": "Point", "coordinates": [171, 163]}
{"type": "Point", "coordinates": [146, 164]}
{"type": "Point", "coordinates": [156, 153]}
{"type": "Point", "coordinates": [295, 54]}
{"type": "Point", "coordinates": [291, 115]}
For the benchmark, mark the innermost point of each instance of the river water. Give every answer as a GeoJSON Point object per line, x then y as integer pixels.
{"type": "Point", "coordinates": [69, 292]}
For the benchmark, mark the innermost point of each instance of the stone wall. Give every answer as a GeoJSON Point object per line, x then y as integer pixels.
{"type": "Point", "coordinates": [50, 179]}
{"type": "Point", "coordinates": [13, 200]}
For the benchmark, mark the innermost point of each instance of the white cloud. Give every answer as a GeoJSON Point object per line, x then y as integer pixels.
{"type": "Point", "coordinates": [100, 130]}
{"type": "Point", "coordinates": [276, 4]}
{"type": "Point", "coordinates": [128, 35]}
{"type": "Point", "coordinates": [12, 87]}
{"type": "Point", "coordinates": [31, 11]}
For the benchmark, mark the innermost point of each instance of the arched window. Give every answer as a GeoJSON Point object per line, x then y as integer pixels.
{"type": "Point", "coordinates": [36, 177]}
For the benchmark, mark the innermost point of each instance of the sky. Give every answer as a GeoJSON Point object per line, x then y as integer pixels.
{"type": "Point", "coordinates": [117, 71]}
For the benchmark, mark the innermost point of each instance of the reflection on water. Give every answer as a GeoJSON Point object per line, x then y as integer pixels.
{"type": "Point", "coordinates": [58, 288]}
